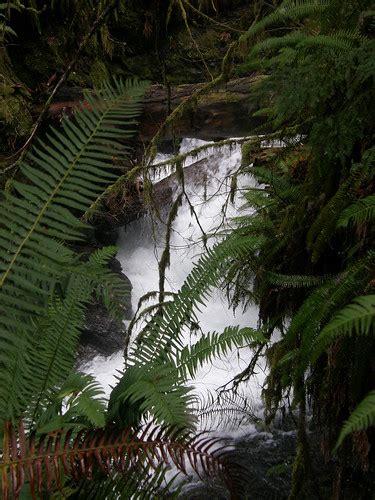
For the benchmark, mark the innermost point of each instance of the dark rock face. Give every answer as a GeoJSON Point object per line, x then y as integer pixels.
{"type": "Point", "coordinates": [103, 335]}
{"type": "Point", "coordinates": [264, 462]}
{"type": "Point", "coordinates": [265, 466]}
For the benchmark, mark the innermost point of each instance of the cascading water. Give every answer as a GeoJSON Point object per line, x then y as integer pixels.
{"type": "Point", "coordinates": [141, 244]}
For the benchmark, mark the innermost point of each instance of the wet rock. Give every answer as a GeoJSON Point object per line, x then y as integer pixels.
{"type": "Point", "coordinates": [102, 334]}
{"type": "Point", "coordinates": [264, 462]}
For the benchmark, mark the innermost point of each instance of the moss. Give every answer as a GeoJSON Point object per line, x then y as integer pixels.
{"type": "Point", "coordinates": [6, 89]}
{"type": "Point", "coordinates": [217, 97]}
{"type": "Point", "coordinates": [246, 150]}
{"type": "Point", "coordinates": [15, 114]}
{"type": "Point", "coordinates": [98, 73]}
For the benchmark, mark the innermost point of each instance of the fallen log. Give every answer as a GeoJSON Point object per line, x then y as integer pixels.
{"type": "Point", "coordinates": [226, 112]}
{"type": "Point", "coordinates": [126, 207]}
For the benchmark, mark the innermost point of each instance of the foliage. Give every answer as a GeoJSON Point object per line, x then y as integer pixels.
{"type": "Point", "coordinates": [159, 365]}
{"type": "Point", "coordinates": [300, 267]}
{"type": "Point", "coordinates": [302, 249]}
{"type": "Point", "coordinates": [316, 97]}
{"type": "Point", "coordinates": [38, 273]}
{"type": "Point", "coordinates": [45, 461]}
{"type": "Point", "coordinates": [65, 434]}
{"type": "Point", "coordinates": [357, 318]}
{"type": "Point", "coordinates": [362, 417]}
{"type": "Point", "coordinates": [361, 212]}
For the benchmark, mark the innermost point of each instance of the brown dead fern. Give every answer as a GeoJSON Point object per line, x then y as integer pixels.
{"type": "Point", "coordinates": [44, 461]}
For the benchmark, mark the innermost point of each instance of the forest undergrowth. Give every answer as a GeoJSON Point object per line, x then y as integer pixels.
{"type": "Point", "coordinates": [301, 249]}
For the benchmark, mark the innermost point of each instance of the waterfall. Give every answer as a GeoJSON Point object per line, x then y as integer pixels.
{"type": "Point", "coordinates": [141, 244]}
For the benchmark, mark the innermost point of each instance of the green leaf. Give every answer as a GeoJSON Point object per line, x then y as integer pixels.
{"type": "Point", "coordinates": [362, 418]}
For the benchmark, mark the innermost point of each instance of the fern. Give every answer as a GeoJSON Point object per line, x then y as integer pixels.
{"type": "Point", "coordinates": [214, 345]}
{"type": "Point", "coordinates": [360, 212]}
{"type": "Point", "coordinates": [207, 273]}
{"type": "Point", "coordinates": [285, 281]}
{"type": "Point", "coordinates": [76, 403]}
{"type": "Point", "coordinates": [44, 462]}
{"type": "Point", "coordinates": [154, 390]}
{"type": "Point", "coordinates": [289, 10]}
{"type": "Point", "coordinates": [138, 483]}
{"type": "Point", "coordinates": [155, 380]}
{"type": "Point", "coordinates": [55, 344]}
{"type": "Point", "coordinates": [337, 41]}
{"type": "Point", "coordinates": [227, 409]}
{"type": "Point", "coordinates": [357, 318]}
{"type": "Point", "coordinates": [362, 418]}
{"type": "Point", "coordinates": [318, 309]}
{"type": "Point", "coordinates": [318, 235]}
{"type": "Point", "coordinates": [56, 338]}
{"type": "Point", "coordinates": [70, 172]}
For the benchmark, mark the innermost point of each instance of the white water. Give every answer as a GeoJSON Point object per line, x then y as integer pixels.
{"type": "Point", "coordinates": [138, 254]}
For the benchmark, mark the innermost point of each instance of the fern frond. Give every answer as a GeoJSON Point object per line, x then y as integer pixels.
{"type": "Point", "coordinates": [360, 212]}
{"type": "Point", "coordinates": [225, 410]}
{"type": "Point", "coordinates": [83, 396]}
{"type": "Point", "coordinates": [214, 345]}
{"type": "Point", "coordinates": [324, 224]}
{"type": "Point", "coordinates": [289, 10]}
{"type": "Point", "coordinates": [109, 288]}
{"type": "Point", "coordinates": [44, 462]}
{"type": "Point", "coordinates": [275, 43]}
{"type": "Point", "coordinates": [340, 41]}
{"type": "Point", "coordinates": [362, 418]}
{"type": "Point", "coordinates": [294, 281]}
{"type": "Point", "coordinates": [335, 41]}
{"type": "Point", "coordinates": [69, 173]}
{"type": "Point", "coordinates": [68, 177]}
{"type": "Point", "coordinates": [357, 318]}
{"type": "Point", "coordinates": [320, 305]}
{"type": "Point", "coordinates": [157, 390]}
{"type": "Point", "coordinates": [140, 483]}
{"type": "Point", "coordinates": [77, 403]}
{"type": "Point", "coordinates": [163, 333]}
{"type": "Point", "coordinates": [152, 381]}
{"type": "Point", "coordinates": [54, 346]}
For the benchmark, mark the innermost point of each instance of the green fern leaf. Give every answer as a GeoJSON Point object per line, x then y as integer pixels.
{"type": "Point", "coordinates": [360, 212]}
{"type": "Point", "coordinates": [362, 418]}
{"type": "Point", "coordinates": [289, 10]}
{"type": "Point", "coordinates": [33, 261]}
{"type": "Point", "coordinates": [357, 318]}
{"type": "Point", "coordinates": [152, 382]}
{"type": "Point", "coordinates": [320, 306]}
{"type": "Point", "coordinates": [214, 345]}
{"type": "Point", "coordinates": [296, 281]}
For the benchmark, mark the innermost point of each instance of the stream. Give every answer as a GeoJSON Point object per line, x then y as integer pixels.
{"type": "Point", "coordinates": [140, 245]}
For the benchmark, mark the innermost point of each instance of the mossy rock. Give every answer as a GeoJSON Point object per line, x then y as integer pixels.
{"type": "Point", "coordinates": [15, 114]}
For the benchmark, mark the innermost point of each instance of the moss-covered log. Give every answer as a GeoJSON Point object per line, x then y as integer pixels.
{"type": "Point", "coordinates": [226, 112]}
